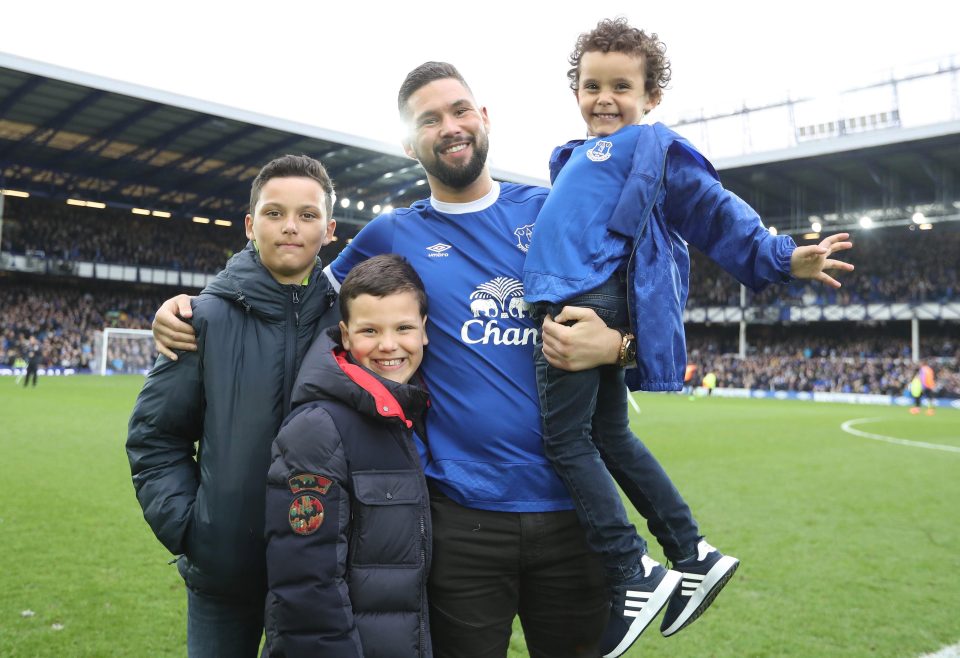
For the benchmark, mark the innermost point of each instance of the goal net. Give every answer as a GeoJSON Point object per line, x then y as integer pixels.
{"type": "Point", "coordinates": [124, 352]}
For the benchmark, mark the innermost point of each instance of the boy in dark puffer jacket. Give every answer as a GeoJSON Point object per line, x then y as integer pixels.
{"type": "Point", "coordinates": [348, 512]}
{"type": "Point", "coordinates": [254, 324]}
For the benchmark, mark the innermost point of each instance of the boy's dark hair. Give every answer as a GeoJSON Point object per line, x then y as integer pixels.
{"type": "Point", "coordinates": [380, 276]}
{"type": "Point", "coordinates": [293, 166]}
{"type": "Point", "coordinates": [423, 75]}
{"type": "Point", "coordinates": [616, 35]}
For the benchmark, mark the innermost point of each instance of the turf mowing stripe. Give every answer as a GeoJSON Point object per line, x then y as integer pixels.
{"type": "Point", "coordinates": [848, 428]}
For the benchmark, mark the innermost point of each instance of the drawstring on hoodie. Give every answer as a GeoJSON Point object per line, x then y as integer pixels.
{"type": "Point", "coordinates": [242, 300]}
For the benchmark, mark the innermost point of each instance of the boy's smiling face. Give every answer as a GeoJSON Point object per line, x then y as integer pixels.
{"type": "Point", "coordinates": [386, 334]}
{"type": "Point", "coordinates": [611, 92]}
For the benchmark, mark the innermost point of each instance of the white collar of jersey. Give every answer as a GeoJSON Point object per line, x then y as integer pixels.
{"type": "Point", "coordinates": [482, 203]}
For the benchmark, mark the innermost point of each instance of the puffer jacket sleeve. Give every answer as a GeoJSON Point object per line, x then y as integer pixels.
{"type": "Point", "coordinates": [165, 424]}
{"type": "Point", "coordinates": [721, 224]}
{"type": "Point", "coordinates": [308, 610]}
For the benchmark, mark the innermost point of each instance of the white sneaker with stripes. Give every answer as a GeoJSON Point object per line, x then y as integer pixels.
{"type": "Point", "coordinates": [635, 604]}
{"type": "Point", "coordinates": [703, 578]}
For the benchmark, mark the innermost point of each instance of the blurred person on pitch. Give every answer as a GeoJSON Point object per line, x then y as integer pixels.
{"type": "Point", "coordinates": [923, 385]}
{"type": "Point", "coordinates": [348, 512]}
{"type": "Point", "coordinates": [709, 382]}
{"type": "Point", "coordinates": [612, 236]}
{"type": "Point", "coordinates": [688, 374]}
{"type": "Point", "coordinates": [200, 433]}
{"type": "Point", "coordinates": [33, 362]}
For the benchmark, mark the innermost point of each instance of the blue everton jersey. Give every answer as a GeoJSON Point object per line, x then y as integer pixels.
{"type": "Point", "coordinates": [483, 428]}
{"type": "Point", "coordinates": [572, 251]}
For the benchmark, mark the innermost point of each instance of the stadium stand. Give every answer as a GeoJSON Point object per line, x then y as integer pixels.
{"type": "Point", "coordinates": [142, 167]}
{"type": "Point", "coordinates": [894, 264]}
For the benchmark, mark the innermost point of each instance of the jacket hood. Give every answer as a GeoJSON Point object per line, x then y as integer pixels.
{"type": "Point", "coordinates": [329, 373]}
{"type": "Point", "coordinates": [246, 282]}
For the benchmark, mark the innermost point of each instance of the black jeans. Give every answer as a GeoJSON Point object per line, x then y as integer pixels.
{"type": "Point", "coordinates": [586, 434]}
{"type": "Point", "coordinates": [489, 567]}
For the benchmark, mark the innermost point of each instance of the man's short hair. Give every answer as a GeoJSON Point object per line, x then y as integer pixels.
{"type": "Point", "coordinates": [293, 166]}
{"type": "Point", "coordinates": [387, 274]}
{"type": "Point", "coordinates": [422, 76]}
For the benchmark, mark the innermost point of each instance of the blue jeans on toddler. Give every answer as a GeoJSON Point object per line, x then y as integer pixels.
{"type": "Point", "coordinates": [587, 438]}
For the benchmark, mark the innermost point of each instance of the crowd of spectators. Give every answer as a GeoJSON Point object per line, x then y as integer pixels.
{"type": "Point", "coordinates": [65, 319]}
{"type": "Point", "coordinates": [893, 264]}
{"type": "Point", "coordinates": [66, 316]}
{"type": "Point", "coordinates": [72, 233]}
{"type": "Point", "coordinates": [829, 358]}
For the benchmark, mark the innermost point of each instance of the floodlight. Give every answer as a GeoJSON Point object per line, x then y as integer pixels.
{"type": "Point", "coordinates": [201, 220]}
{"type": "Point", "coordinates": [360, 205]}
{"type": "Point", "coordinates": [918, 218]}
{"type": "Point", "coordinates": [926, 227]}
{"type": "Point", "coordinates": [376, 209]}
{"type": "Point", "coordinates": [866, 221]}
{"type": "Point", "coordinates": [816, 227]}
{"type": "Point", "coordinates": [344, 203]}
{"type": "Point", "coordinates": [773, 230]}
{"type": "Point", "coordinates": [17, 193]}
{"type": "Point", "coordinates": [223, 222]}
{"type": "Point", "coordinates": [140, 211]}
{"type": "Point", "coordinates": [388, 208]}
{"type": "Point", "coordinates": [161, 213]}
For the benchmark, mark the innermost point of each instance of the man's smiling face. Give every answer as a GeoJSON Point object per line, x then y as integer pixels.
{"type": "Point", "coordinates": [447, 133]}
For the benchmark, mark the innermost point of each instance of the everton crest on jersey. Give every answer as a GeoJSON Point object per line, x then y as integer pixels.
{"type": "Point", "coordinates": [600, 151]}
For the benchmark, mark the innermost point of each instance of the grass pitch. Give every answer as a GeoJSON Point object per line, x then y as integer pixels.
{"type": "Point", "coordinates": [848, 545]}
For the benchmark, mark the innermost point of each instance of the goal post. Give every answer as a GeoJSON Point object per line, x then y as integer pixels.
{"type": "Point", "coordinates": [125, 351]}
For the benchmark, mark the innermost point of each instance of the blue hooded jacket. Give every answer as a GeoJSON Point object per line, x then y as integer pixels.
{"type": "Point", "coordinates": [672, 197]}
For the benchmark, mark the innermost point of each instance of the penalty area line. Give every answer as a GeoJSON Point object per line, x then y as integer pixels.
{"type": "Point", "coordinates": [848, 427]}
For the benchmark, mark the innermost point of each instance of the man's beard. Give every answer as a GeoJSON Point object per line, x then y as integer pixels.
{"type": "Point", "coordinates": [458, 178]}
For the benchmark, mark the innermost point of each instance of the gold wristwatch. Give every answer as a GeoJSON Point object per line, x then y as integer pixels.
{"type": "Point", "coordinates": [628, 349]}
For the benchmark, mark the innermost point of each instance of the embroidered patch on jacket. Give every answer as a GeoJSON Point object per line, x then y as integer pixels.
{"type": "Point", "coordinates": [309, 482]}
{"type": "Point", "coordinates": [600, 151]}
{"type": "Point", "coordinates": [306, 515]}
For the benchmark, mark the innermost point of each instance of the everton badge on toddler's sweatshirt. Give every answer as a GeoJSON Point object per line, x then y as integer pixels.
{"type": "Point", "coordinates": [600, 151]}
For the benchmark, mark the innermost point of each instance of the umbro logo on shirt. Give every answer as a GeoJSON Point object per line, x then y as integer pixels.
{"type": "Point", "coordinates": [439, 250]}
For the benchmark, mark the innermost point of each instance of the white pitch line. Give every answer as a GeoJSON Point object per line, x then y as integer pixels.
{"type": "Point", "coordinates": [848, 428]}
{"type": "Point", "coordinates": [633, 403]}
{"type": "Point", "coordinates": [953, 651]}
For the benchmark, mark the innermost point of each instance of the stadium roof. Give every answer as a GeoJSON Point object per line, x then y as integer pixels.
{"type": "Point", "coordinates": [887, 174]}
{"type": "Point", "coordinates": [67, 134]}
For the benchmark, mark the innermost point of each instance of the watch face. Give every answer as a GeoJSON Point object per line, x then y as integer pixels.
{"type": "Point", "coordinates": [631, 351]}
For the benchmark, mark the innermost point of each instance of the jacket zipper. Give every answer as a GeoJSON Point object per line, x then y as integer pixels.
{"type": "Point", "coordinates": [423, 586]}
{"type": "Point", "coordinates": [290, 346]}
{"type": "Point", "coordinates": [633, 251]}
